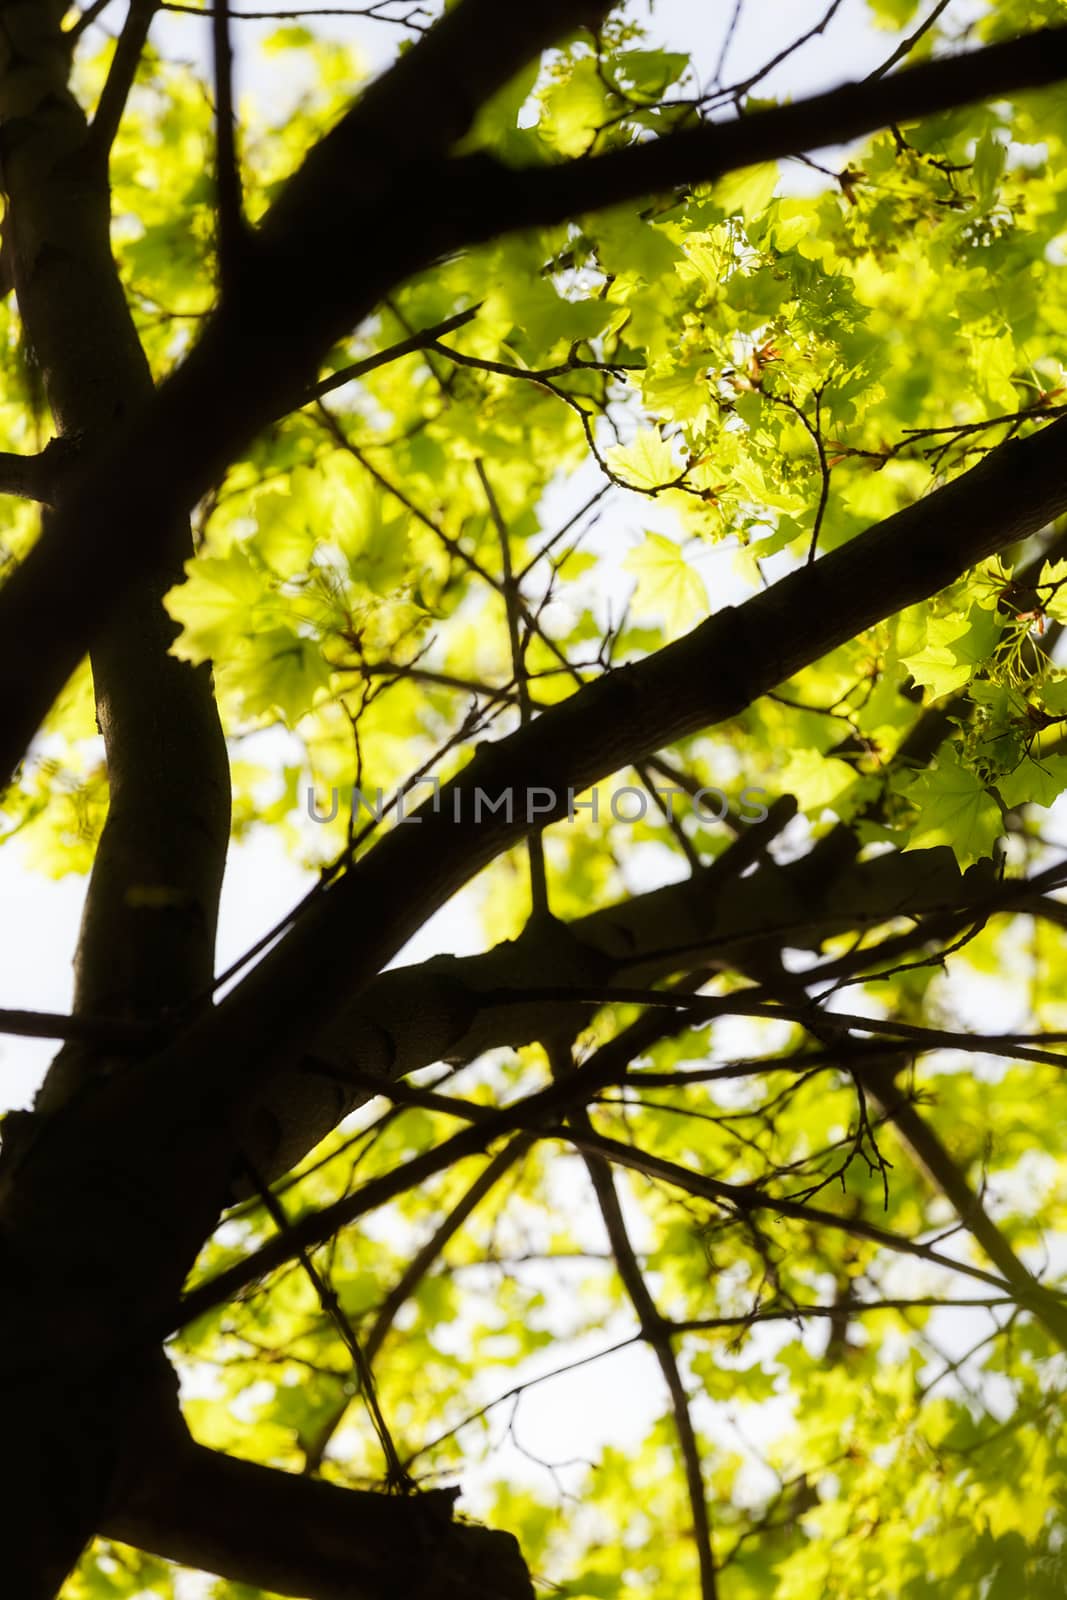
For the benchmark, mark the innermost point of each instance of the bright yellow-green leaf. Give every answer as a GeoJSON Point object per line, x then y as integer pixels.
{"type": "Point", "coordinates": [667, 585]}
{"type": "Point", "coordinates": [956, 809]}
{"type": "Point", "coordinates": [282, 538]}
{"type": "Point", "coordinates": [748, 191]}
{"type": "Point", "coordinates": [575, 108]}
{"type": "Point", "coordinates": [280, 671]}
{"type": "Point", "coordinates": [1040, 778]}
{"type": "Point", "coordinates": [215, 603]}
{"type": "Point", "coordinates": [955, 645]}
{"type": "Point", "coordinates": [649, 462]}
{"type": "Point", "coordinates": [816, 781]}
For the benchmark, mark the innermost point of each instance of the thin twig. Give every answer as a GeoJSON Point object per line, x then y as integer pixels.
{"type": "Point", "coordinates": [653, 1328]}
{"type": "Point", "coordinates": [396, 1475]}
{"type": "Point", "coordinates": [120, 77]}
{"type": "Point", "coordinates": [421, 339]}
{"type": "Point", "coordinates": [117, 1032]}
{"type": "Point", "coordinates": [85, 20]}
{"type": "Point", "coordinates": [230, 223]}
{"type": "Point", "coordinates": [413, 1274]}
{"type": "Point", "coordinates": [736, 90]}
{"type": "Point", "coordinates": [535, 843]}
{"type": "Point", "coordinates": [372, 13]}
{"type": "Point", "coordinates": [727, 41]}
{"type": "Point", "coordinates": [906, 46]}
{"type": "Point", "coordinates": [814, 432]}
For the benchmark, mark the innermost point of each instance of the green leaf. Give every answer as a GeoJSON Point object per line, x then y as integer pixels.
{"type": "Point", "coordinates": [282, 538]}
{"type": "Point", "coordinates": [816, 781]}
{"type": "Point", "coordinates": [748, 191]}
{"type": "Point", "coordinates": [955, 808]}
{"type": "Point", "coordinates": [575, 107]}
{"type": "Point", "coordinates": [214, 604]}
{"type": "Point", "coordinates": [989, 159]}
{"type": "Point", "coordinates": [651, 72]}
{"type": "Point", "coordinates": [1040, 779]}
{"type": "Point", "coordinates": [667, 585]}
{"type": "Point", "coordinates": [280, 671]}
{"type": "Point", "coordinates": [955, 645]}
{"type": "Point", "coordinates": [893, 13]}
{"type": "Point", "coordinates": [649, 463]}
{"type": "Point", "coordinates": [288, 38]}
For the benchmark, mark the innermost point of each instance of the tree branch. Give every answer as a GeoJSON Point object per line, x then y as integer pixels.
{"type": "Point", "coordinates": [166, 831]}
{"type": "Point", "coordinates": [420, 1264]}
{"type": "Point", "coordinates": [231, 230]}
{"type": "Point", "coordinates": [300, 1536]}
{"type": "Point", "coordinates": [119, 81]}
{"type": "Point", "coordinates": [921, 1142]}
{"type": "Point", "coordinates": [540, 1112]}
{"type": "Point", "coordinates": [454, 1009]}
{"type": "Point", "coordinates": [423, 339]}
{"type": "Point", "coordinates": [535, 1112]}
{"type": "Point", "coordinates": [656, 1333]}
{"type": "Point", "coordinates": [495, 198]}
{"type": "Point", "coordinates": [85, 20]}
{"type": "Point", "coordinates": [708, 676]}
{"type": "Point", "coordinates": [747, 1198]}
{"type": "Point", "coordinates": [31, 477]}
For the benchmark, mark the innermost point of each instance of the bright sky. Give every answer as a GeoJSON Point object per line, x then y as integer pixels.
{"type": "Point", "coordinates": [572, 1416]}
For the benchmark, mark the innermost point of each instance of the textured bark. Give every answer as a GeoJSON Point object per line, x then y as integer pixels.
{"type": "Point", "coordinates": [149, 929]}
{"type": "Point", "coordinates": [299, 1536]}
{"type": "Point", "coordinates": [166, 830]}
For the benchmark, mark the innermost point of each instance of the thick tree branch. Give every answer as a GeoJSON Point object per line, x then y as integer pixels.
{"type": "Point", "coordinates": [168, 818]}
{"type": "Point", "coordinates": [31, 477]}
{"type": "Point", "coordinates": [147, 937]}
{"type": "Point", "coordinates": [298, 1536]}
{"type": "Point", "coordinates": [503, 198]}
{"type": "Point", "coordinates": [453, 1009]}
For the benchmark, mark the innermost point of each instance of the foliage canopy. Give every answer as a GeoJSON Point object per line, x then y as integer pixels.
{"type": "Point", "coordinates": [677, 518]}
